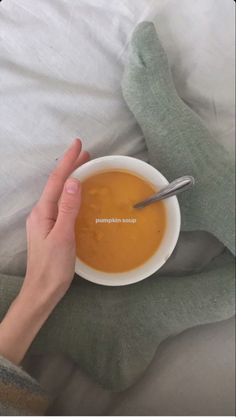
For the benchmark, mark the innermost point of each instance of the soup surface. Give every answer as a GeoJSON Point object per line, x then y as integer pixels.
{"type": "Point", "coordinates": [111, 235]}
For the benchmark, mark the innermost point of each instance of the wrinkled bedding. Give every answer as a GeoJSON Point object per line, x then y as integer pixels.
{"type": "Point", "coordinates": [61, 65]}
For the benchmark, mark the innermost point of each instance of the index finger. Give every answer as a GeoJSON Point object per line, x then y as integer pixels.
{"type": "Point", "coordinates": [55, 183]}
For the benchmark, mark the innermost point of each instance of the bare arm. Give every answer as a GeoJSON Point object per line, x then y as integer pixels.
{"type": "Point", "coordinates": [51, 257]}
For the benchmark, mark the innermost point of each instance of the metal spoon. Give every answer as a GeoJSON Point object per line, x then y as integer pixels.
{"type": "Point", "coordinates": [175, 187]}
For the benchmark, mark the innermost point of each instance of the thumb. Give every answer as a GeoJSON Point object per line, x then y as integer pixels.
{"type": "Point", "coordinates": [68, 207]}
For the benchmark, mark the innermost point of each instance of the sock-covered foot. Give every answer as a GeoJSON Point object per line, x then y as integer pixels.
{"type": "Point", "coordinates": [177, 141]}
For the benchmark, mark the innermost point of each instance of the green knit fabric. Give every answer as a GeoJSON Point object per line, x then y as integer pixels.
{"type": "Point", "coordinates": [177, 141]}
{"type": "Point", "coordinates": [113, 333]}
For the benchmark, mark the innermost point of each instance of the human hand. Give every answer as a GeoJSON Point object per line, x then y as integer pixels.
{"type": "Point", "coordinates": [51, 230]}
{"type": "Point", "coordinates": [51, 256]}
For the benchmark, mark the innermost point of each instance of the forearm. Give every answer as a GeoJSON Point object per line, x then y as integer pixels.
{"type": "Point", "coordinates": [21, 324]}
{"type": "Point", "coordinates": [51, 257]}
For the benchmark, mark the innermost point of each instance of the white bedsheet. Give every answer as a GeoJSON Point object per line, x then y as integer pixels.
{"type": "Point", "coordinates": [61, 64]}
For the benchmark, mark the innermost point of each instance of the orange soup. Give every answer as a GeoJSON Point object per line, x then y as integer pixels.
{"type": "Point", "coordinates": [111, 235]}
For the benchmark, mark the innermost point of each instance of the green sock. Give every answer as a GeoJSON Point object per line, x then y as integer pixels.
{"type": "Point", "coordinates": [177, 141]}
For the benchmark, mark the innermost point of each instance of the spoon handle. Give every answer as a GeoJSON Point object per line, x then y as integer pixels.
{"type": "Point", "coordinates": [175, 187]}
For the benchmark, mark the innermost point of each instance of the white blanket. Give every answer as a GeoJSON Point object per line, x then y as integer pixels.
{"type": "Point", "coordinates": [61, 64]}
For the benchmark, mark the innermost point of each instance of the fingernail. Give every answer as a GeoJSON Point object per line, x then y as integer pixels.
{"type": "Point", "coordinates": [72, 186]}
{"type": "Point", "coordinates": [75, 141]}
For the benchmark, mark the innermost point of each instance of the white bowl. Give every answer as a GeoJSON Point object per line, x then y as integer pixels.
{"type": "Point", "coordinates": [168, 243]}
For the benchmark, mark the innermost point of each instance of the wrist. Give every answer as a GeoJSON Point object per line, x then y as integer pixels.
{"type": "Point", "coordinates": [22, 322]}
{"type": "Point", "coordinates": [32, 304]}
{"type": "Point", "coordinates": [40, 295]}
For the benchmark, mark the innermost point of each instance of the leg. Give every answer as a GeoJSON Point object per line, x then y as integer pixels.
{"type": "Point", "coordinates": [177, 141]}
